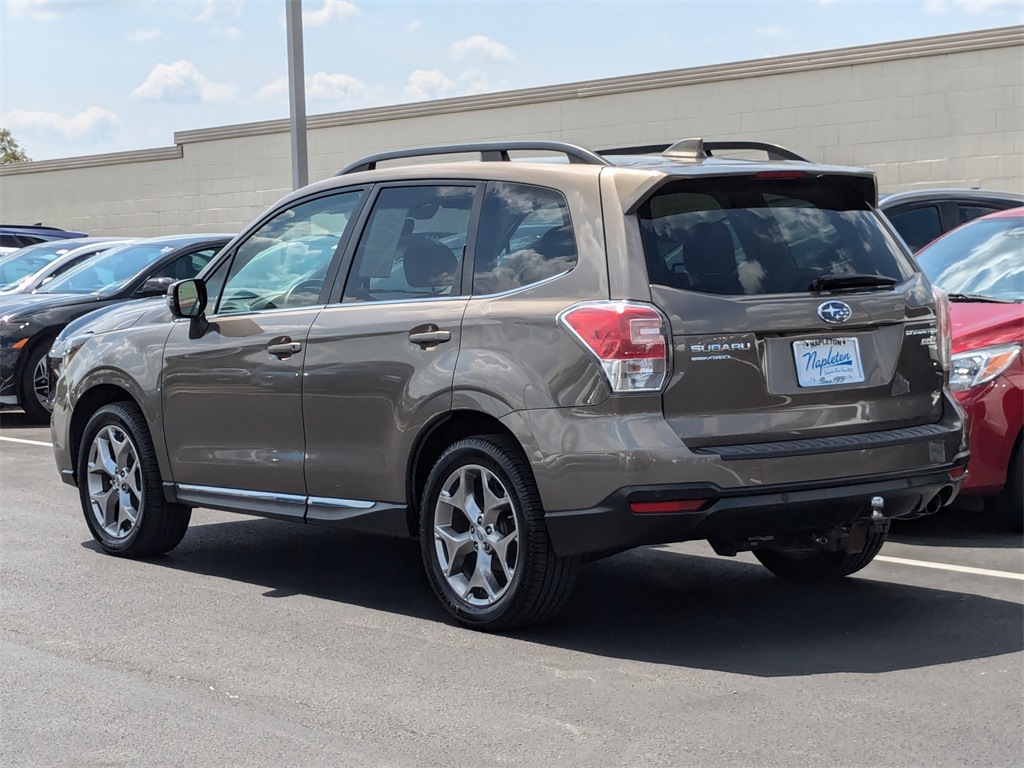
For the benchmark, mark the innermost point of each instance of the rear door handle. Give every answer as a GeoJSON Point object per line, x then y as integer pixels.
{"type": "Point", "coordinates": [429, 337]}
{"type": "Point", "coordinates": [285, 349]}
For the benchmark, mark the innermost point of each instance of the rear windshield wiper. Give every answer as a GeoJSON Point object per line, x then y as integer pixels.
{"type": "Point", "coordinates": [979, 297]}
{"type": "Point", "coordinates": [842, 282]}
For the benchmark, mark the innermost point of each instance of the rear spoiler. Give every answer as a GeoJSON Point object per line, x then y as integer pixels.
{"type": "Point", "coordinates": [633, 195]}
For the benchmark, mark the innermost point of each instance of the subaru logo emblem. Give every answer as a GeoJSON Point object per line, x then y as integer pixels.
{"type": "Point", "coordinates": [835, 312]}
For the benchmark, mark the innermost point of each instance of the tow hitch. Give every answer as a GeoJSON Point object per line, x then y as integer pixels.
{"type": "Point", "coordinates": [850, 538]}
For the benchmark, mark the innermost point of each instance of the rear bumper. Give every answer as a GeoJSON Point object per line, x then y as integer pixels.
{"type": "Point", "coordinates": [778, 512]}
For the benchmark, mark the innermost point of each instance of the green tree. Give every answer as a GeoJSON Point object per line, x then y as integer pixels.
{"type": "Point", "coordinates": [10, 152]}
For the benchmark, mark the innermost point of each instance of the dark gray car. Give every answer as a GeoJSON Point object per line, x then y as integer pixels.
{"type": "Point", "coordinates": [528, 365]}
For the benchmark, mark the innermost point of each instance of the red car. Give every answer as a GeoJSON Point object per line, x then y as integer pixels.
{"type": "Point", "coordinates": [980, 266]}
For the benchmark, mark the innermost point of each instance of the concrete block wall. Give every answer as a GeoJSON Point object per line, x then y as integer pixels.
{"type": "Point", "coordinates": [945, 111]}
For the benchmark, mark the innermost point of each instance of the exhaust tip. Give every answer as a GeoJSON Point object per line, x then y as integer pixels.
{"type": "Point", "coordinates": [939, 500]}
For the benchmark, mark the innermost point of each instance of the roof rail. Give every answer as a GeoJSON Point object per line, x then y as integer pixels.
{"type": "Point", "coordinates": [699, 149]}
{"type": "Point", "coordinates": [645, 149]}
{"type": "Point", "coordinates": [489, 151]}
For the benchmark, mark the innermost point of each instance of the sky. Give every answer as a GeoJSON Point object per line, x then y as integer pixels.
{"type": "Point", "coordinates": [83, 77]}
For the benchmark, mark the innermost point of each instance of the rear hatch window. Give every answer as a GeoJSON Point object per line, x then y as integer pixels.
{"type": "Point", "coordinates": [758, 354]}
{"type": "Point", "coordinates": [745, 235]}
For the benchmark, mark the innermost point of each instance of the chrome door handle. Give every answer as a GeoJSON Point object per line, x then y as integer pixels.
{"type": "Point", "coordinates": [285, 349]}
{"type": "Point", "coordinates": [429, 337]}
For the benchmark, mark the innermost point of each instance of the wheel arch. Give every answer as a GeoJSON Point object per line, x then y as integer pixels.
{"type": "Point", "coordinates": [432, 442]}
{"type": "Point", "coordinates": [86, 405]}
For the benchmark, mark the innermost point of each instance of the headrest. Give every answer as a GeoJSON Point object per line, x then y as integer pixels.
{"type": "Point", "coordinates": [556, 243]}
{"type": "Point", "coordinates": [428, 263]}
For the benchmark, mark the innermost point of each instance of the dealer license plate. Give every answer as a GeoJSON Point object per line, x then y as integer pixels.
{"type": "Point", "coordinates": [827, 362]}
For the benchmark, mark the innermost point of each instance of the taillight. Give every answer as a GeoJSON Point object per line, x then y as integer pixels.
{"type": "Point", "coordinates": [628, 340]}
{"type": "Point", "coordinates": [944, 343]}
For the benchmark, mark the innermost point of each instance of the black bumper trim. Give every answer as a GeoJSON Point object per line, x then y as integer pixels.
{"type": "Point", "coordinates": [743, 513]}
{"type": "Point", "coordinates": [815, 445]}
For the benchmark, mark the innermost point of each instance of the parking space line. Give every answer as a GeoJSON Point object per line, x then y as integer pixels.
{"type": "Point", "coordinates": [948, 567]}
{"type": "Point", "coordinates": [26, 442]}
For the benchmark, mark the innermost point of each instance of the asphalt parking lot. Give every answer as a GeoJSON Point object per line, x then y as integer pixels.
{"type": "Point", "coordinates": [264, 643]}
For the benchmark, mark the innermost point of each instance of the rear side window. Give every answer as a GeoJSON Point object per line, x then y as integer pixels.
{"type": "Point", "coordinates": [187, 265]}
{"type": "Point", "coordinates": [525, 236]}
{"type": "Point", "coordinates": [917, 226]}
{"type": "Point", "coordinates": [971, 212]}
{"type": "Point", "coordinates": [738, 236]}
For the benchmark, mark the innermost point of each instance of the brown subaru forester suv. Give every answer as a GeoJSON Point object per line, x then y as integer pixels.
{"type": "Point", "coordinates": [529, 364]}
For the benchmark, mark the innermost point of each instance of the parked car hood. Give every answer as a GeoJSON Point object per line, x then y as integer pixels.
{"type": "Point", "coordinates": [19, 305]}
{"type": "Point", "coordinates": [981, 324]}
{"type": "Point", "coordinates": [118, 316]}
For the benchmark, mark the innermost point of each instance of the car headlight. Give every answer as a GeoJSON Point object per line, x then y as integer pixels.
{"type": "Point", "coordinates": [978, 366]}
{"type": "Point", "coordinates": [9, 324]}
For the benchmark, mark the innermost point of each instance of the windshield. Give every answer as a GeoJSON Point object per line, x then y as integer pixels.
{"type": "Point", "coordinates": [983, 258]}
{"type": "Point", "coordinates": [108, 271]}
{"type": "Point", "coordinates": [746, 236]}
{"type": "Point", "coordinates": [16, 266]}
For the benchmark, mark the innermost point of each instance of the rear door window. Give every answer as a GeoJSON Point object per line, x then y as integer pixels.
{"type": "Point", "coordinates": [741, 236]}
{"type": "Point", "coordinates": [917, 226]}
{"type": "Point", "coordinates": [413, 244]}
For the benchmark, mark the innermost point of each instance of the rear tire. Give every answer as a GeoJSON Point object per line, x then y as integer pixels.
{"type": "Point", "coordinates": [121, 489]}
{"type": "Point", "coordinates": [822, 565]}
{"type": "Point", "coordinates": [484, 541]}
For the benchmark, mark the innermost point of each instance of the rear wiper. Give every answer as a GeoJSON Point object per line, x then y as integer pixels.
{"type": "Point", "coordinates": [979, 297]}
{"type": "Point", "coordinates": [841, 282]}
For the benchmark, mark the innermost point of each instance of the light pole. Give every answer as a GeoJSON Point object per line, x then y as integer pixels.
{"type": "Point", "coordinates": [297, 94]}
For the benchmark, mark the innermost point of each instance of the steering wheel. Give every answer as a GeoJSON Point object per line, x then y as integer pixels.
{"type": "Point", "coordinates": [313, 285]}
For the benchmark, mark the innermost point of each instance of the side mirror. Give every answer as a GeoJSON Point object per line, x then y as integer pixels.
{"type": "Point", "coordinates": [186, 298]}
{"type": "Point", "coordinates": [155, 286]}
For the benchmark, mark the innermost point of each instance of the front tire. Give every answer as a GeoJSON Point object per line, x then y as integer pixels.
{"type": "Point", "coordinates": [1009, 504]}
{"type": "Point", "coordinates": [121, 489]}
{"type": "Point", "coordinates": [34, 385]}
{"type": "Point", "coordinates": [820, 565]}
{"type": "Point", "coordinates": [484, 542]}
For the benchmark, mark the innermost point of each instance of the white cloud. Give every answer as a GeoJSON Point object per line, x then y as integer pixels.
{"type": "Point", "coordinates": [412, 26]}
{"type": "Point", "coordinates": [772, 30]}
{"type": "Point", "coordinates": [479, 44]}
{"type": "Point", "coordinates": [332, 9]}
{"type": "Point", "coordinates": [143, 35]}
{"type": "Point", "coordinates": [273, 89]}
{"type": "Point", "coordinates": [90, 125]}
{"type": "Point", "coordinates": [321, 86]}
{"type": "Point", "coordinates": [181, 82]}
{"type": "Point", "coordinates": [332, 87]}
{"type": "Point", "coordinates": [233, 33]}
{"type": "Point", "coordinates": [475, 81]}
{"type": "Point", "coordinates": [426, 84]}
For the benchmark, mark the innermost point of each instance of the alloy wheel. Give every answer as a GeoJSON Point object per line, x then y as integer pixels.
{"type": "Point", "coordinates": [115, 482]}
{"type": "Point", "coordinates": [476, 536]}
{"type": "Point", "coordinates": [41, 382]}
